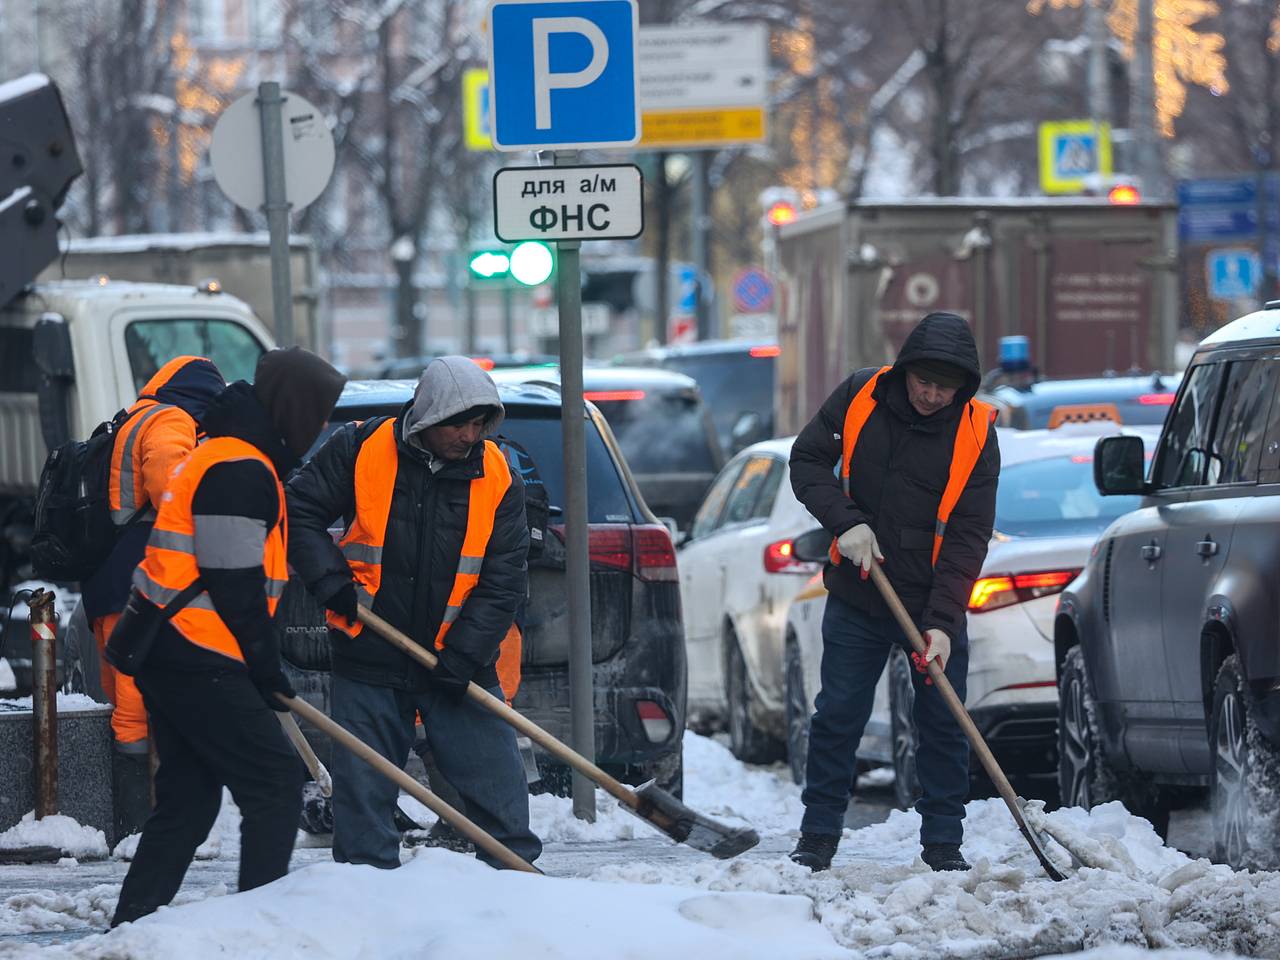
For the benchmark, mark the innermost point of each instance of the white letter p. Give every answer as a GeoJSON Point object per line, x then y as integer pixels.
{"type": "Point", "coordinates": [544, 81]}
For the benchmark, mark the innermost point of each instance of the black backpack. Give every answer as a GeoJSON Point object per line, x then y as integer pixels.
{"type": "Point", "coordinates": [537, 504]}
{"type": "Point", "coordinates": [74, 533]}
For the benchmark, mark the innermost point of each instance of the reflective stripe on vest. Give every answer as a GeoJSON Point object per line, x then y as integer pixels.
{"type": "Point", "coordinates": [971, 437]}
{"type": "Point", "coordinates": [171, 565]}
{"type": "Point", "coordinates": [125, 491]}
{"type": "Point", "coordinates": [375, 478]}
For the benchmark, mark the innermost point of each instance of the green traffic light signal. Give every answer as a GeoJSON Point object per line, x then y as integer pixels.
{"type": "Point", "coordinates": [489, 264]}
{"type": "Point", "coordinates": [532, 263]}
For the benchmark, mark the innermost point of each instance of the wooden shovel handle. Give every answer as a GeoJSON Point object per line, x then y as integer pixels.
{"type": "Point", "coordinates": [523, 724]}
{"type": "Point", "coordinates": [948, 692]}
{"type": "Point", "coordinates": [318, 772]}
{"type": "Point", "coordinates": [466, 827]}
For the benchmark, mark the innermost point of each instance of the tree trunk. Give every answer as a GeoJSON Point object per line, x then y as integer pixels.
{"type": "Point", "coordinates": [408, 330]}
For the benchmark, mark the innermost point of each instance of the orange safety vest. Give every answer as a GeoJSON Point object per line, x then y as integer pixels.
{"type": "Point", "coordinates": [363, 543]}
{"type": "Point", "coordinates": [971, 437]}
{"type": "Point", "coordinates": [127, 496]}
{"type": "Point", "coordinates": [170, 564]}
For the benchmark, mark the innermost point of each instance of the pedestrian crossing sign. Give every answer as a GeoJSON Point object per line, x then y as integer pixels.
{"type": "Point", "coordinates": [1071, 153]}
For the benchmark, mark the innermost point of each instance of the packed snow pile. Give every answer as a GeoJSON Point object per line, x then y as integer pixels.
{"type": "Point", "coordinates": [62, 833]}
{"type": "Point", "coordinates": [443, 904]}
{"type": "Point", "coordinates": [67, 703]}
{"type": "Point", "coordinates": [7, 680]}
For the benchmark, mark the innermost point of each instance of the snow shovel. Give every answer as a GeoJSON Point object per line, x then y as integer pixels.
{"type": "Point", "coordinates": [650, 803]}
{"type": "Point", "coordinates": [1014, 802]}
{"type": "Point", "coordinates": [465, 826]}
{"type": "Point", "coordinates": [318, 772]}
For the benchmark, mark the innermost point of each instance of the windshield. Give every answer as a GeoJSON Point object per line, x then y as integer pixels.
{"type": "Point", "coordinates": [731, 385]}
{"type": "Point", "coordinates": [660, 434]}
{"type": "Point", "coordinates": [1055, 497]}
{"type": "Point", "coordinates": [152, 343]}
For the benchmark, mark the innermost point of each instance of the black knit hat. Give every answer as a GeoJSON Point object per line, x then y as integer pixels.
{"type": "Point", "coordinates": [466, 416]}
{"type": "Point", "coordinates": [939, 371]}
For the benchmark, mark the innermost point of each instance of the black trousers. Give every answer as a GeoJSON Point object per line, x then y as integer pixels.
{"type": "Point", "coordinates": [212, 729]}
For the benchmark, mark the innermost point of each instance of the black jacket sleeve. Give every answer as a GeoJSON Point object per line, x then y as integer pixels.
{"type": "Point", "coordinates": [964, 546]}
{"type": "Point", "coordinates": [318, 494]}
{"type": "Point", "coordinates": [490, 608]}
{"type": "Point", "coordinates": [815, 459]}
{"type": "Point", "coordinates": [234, 507]}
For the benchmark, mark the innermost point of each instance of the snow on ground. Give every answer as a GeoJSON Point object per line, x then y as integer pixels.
{"type": "Point", "coordinates": [67, 703]}
{"type": "Point", "coordinates": [7, 680]}
{"type": "Point", "coordinates": [72, 838]}
{"type": "Point", "coordinates": [1138, 899]}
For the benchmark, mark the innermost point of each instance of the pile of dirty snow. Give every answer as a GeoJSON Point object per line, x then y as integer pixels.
{"type": "Point", "coordinates": [63, 833]}
{"type": "Point", "coordinates": [67, 703]}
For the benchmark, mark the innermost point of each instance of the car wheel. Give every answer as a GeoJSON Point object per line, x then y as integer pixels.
{"type": "Point", "coordinates": [1246, 823]}
{"type": "Point", "coordinates": [798, 714]}
{"type": "Point", "coordinates": [748, 743]}
{"type": "Point", "coordinates": [902, 730]}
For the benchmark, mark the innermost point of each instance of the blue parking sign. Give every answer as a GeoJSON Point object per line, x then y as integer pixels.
{"type": "Point", "coordinates": [563, 74]}
{"type": "Point", "coordinates": [1233, 274]}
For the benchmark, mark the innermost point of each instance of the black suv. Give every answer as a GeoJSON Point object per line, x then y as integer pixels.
{"type": "Point", "coordinates": [637, 629]}
{"type": "Point", "coordinates": [1168, 643]}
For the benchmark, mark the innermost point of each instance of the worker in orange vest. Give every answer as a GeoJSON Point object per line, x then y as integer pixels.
{"type": "Point", "coordinates": [436, 543]}
{"type": "Point", "coordinates": [199, 620]}
{"type": "Point", "coordinates": [159, 432]}
{"type": "Point", "coordinates": [900, 464]}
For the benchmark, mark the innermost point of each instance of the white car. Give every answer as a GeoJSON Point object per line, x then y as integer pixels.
{"type": "Point", "coordinates": [1048, 517]}
{"type": "Point", "coordinates": [737, 577]}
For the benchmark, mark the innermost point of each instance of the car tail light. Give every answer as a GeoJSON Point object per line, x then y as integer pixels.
{"type": "Point", "coordinates": [766, 351]}
{"type": "Point", "coordinates": [612, 396]}
{"type": "Point", "coordinates": [655, 555]}
{"type": "Point", "coordinates": [992, 593]}
{"type": "Point", "coordinates": [610, 545]}
{"type": "Point", "coordinates": [1156, 399]}
{"type": "Point", "coordinates": [657, 725]}
{"type": "Point", "coordinates": [484, 363]}
{"type": "Point", "coordinates": [780, 557]}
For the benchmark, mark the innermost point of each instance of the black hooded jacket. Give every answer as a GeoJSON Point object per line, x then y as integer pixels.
{"type": "Point", "coordinates": [900, 468]}
{"type": "Point", "coordinates": [235, 488]}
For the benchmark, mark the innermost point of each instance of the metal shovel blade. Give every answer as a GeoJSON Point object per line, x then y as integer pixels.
{"type": "Point", "coordinates": [683, 825]}
{"type": "Point", "coordinates": [1037, 841]}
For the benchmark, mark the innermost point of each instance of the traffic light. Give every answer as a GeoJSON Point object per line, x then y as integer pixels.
{"type": "Point", "coordinates": [489, 264]}
{"type": "Point", "coordinates": [531, 263]}
{"type": "Point", "coordinates": [780, 212]}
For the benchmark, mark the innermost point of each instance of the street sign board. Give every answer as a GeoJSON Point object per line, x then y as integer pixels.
{"type": "Point", "coordinates": [686, 293]}
{"type": "Point", "coordinates": [1232, 274]}
{"type": "Point", "coordinates": [752, 291]}
{"type": "Point", "coordinates": [703, 85]}
{"type": "Point", "coordinates": [235, 152]}
{"type": "Point", "coordinates": [1217, 209]}
{"type": "Point", "coordinates": [545, 321]}
{"type": "Point", "coordinates": [602, 202]}
{"type": "Point", "coordinates": [563, 74]}
{"type": "Point", "coordinates": [1071, 151]}
{"type": "Point", "coordinates": [476, 116]}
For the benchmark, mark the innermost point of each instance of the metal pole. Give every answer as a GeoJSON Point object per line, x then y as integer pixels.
{"type": "Point", "coordinates": [1142, 109]}
{"type": "Point", "coordinates": [577, 548]}
{"type": "Point", "coordinates": [701, 227]}
{"type": "Point", "coordinates": [662, 252]}
{"type": "Point", "coordinates": [469, 321]}
{"type": "Point", "coordinates": [276, 208]}
{"type": "Point", "coordinates": [1099, 88]}
{"type": "Point", "coordinates": [508, 321]}
{"type": "Point", "coordinates": [44, 691]}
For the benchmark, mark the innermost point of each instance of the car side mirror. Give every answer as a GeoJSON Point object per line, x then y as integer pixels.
{"type": "Point", "coordinates": [1118, 466]}
{"type": "Point", "coordinates": [747, 429]}
{"type": "Point", "coordinates": [812, 547]}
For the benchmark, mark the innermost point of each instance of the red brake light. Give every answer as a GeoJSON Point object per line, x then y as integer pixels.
{"type": "Point", "coordinates": [645, 550]}
{"type": "Point", "coordinates": [608, 396]}
{"type": "Point", "coordinates": [484, 363]}
{"type": "Point", "coordinates": [992, 593]}
{"type": "Point", "coordinates": [610, 545]}
{"type": "Point", "coordinates": [655, 555]}
{"type": "Point", "coordinates": [773, 351]}
{"type": "Point", "coordinates": [1156, 399]}
{"type": "Point", "coordinates": [779, 557]}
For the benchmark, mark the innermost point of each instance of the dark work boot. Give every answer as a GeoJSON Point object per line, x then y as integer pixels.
{"type": "Point", "coordinates": [130, 787]}
{"type": "Point", "coordinates": [815, 850]}
{"type": "Point", "coordinates": [944, 856]}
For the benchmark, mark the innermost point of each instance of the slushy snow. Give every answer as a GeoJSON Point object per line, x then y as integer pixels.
{"type": "Point", "coordinates": [1140, 899]}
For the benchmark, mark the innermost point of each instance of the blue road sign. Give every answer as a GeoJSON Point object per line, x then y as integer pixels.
{"type": "Point", "coordinates": [1215, 209]}
{"type": "Point", "coordinates": [563, 74]}
{"type": "Point", "coordinates": [1233, 274]}
{"type": "Point", "coordinates": [752, 291]}
{"type": "Point", "coordinates": [686, 289]}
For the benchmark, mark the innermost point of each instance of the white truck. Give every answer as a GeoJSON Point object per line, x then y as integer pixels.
{"type": "Point", "coordinates": [73, 352]}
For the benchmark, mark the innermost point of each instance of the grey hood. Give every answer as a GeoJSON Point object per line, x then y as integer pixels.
{"type": "Point", "coordinates": [448, 386]}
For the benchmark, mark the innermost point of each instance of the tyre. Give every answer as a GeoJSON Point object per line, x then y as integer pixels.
{"type": "Point", "coordinates": [1246, 767]}
{"type": "Point", "coordinates": [1085, 778]}
{"type": "Point", "coordinates": [902, 730]}
{"type": "Point", "coordinates": [748, 743]}
{"type": "Point", "coordinates": [798, 712]}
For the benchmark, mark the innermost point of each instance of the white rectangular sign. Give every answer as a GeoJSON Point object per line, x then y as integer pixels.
{"type": "Point", "coordinates": [603, 202]}
{"type": "Point", "coordinates": [700, 68]}
{"type": "Point", "coordinates": [545, 321]}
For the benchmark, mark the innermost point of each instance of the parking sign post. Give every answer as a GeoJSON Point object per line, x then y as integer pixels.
{"type": "Point", "coordinates": [578, 92]}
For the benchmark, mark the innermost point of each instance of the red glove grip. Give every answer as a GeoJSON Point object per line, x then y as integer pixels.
{"type": "Point", "coordinates": [922, 666]}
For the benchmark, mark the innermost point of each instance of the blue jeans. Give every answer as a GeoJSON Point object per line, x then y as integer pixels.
{"type": "Point", "coordinates": [475, 750]}
{"type": "Point", "coordinates": [855, 647]}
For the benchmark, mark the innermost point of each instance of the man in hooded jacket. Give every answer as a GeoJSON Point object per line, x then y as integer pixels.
{"type": "Point", "coordinates": [159, 433]}
{"type": "Point", "coordinates": [900, 465]}
{"type": "Point", "coordinates": [216, 558]}
{"type": "Point", "coordinates": [435, 542]}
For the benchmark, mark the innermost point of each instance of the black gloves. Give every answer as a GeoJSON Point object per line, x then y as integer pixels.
{"type": "Point", "coordinates": [269, 686]}
{"type": "Point", "coordinates": [343, 602]}
{"type": "Point", "coordinates": [447, 678]}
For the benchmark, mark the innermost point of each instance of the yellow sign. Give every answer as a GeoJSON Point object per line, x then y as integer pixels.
{"type": "Point", "coordinates": [687, 128]}
{"type": "Point", "coordinates": [1071, 153]}
{"type": "Point", "coordinates": [475, 109]}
